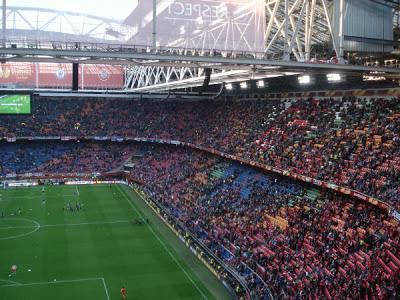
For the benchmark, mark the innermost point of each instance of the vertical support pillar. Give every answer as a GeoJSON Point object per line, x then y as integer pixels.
{"type": "Point", "coordinates": [286, 54]}
{"type": "Point", "coordinates": [307, 31]}
{"type": "Point", "coordinates": [4, 23]}
{"type": "Point", "coordinates": [328, 20]}
{"type": "Point", "coordinates": [82, 76]}
{"type": "Point", "coordinates": [341, 31]}
{"type": "Point", "coordinates": [37, 75]}
{"type": "Point", "coordinates": [154, 25]}
{"type": "Point", "coordinates": [75, 78]}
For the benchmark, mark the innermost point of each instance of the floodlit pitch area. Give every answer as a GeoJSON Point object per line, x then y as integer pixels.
{"type": "Point", "coordinates": [92, 252]}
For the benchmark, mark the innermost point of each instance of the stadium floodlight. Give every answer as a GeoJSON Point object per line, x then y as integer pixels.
{"type": "Point", "coordinates": [243, 85]}
{"type": "Point", "coordinates": [260, 84]}
{"type": "Point", "coordinates": [333, 77]}
{"type": "Point", "coordinates": [305, 79]}
{"type": "Point", "coordinates": [229, 86]}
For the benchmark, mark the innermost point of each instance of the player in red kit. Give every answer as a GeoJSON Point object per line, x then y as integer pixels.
{"type": "Point", "coordinates": [123, 292]}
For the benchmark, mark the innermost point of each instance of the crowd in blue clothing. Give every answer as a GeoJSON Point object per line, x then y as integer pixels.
{"type": "Point", "coordinates": [52, 157]}
{"type": "Point", "coordinates": [28, 156]}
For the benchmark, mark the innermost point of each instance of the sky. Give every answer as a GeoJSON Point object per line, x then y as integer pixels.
{"type": "Point", "coordinates": [114, 9]}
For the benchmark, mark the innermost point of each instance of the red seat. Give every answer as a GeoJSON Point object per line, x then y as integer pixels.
{"type": "Point", "coordinates": [327, 294]}
{"type": "Point", "coordinates": [393, 257]}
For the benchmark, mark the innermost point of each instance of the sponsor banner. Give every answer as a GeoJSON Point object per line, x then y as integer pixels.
{"type": "Point", "coordinates": [22, 183]}
{"type": "Point", "coordinates": [52, 75]}
{"type": "Point", "coordinates": [69, 138]}
{"type": "Point", "coordinates": [11, 139]}
{"type": "Point", "coordinates": [92, 182]}
{"type": "Point", "coordinates": [139, 139]}
{"type": "Point", "coordinates": [18, 75]}
{"type": "Point", "coordinates": [80, 182]}
{"type": "Point", "coordinates": [117, 139]}
{"type": "Point", "coordinates": [101, 76]}
{"type": "Point", "coordinates": [37, 174]}
{"type": "Point", "coordinates": [193, 250]}
{"type": "Point", "coordinates": [361, 196]}
{"type": "Point", "coordinates": [101, 138]}
{"type": "Point", "coordinates": [395, 214]}
{"type": "Point", "coordinates": [316, 181]}
{"type": "Point", "coordinates": [44, 138]}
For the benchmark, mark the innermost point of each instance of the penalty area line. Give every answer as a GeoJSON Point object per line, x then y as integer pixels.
{"type": "Point", "coordinates": [17, 284]}
{"type": "Point", "coordinates": [162, 243]}
{"type": "Point", "coordinates": [105, 288]}
{"type": "Point", "coordinates": [9, 281]}
{"type": "Point", "coordinates": [52, 282]}
{"type": "Point", "coordinates": [65, 225]}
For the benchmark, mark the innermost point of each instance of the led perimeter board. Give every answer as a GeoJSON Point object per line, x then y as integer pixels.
{"type": "Point", "coordinates": [15, 104]}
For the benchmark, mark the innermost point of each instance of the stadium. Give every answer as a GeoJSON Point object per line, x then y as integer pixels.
{"type": "Point", "coordinates": [200, 149]}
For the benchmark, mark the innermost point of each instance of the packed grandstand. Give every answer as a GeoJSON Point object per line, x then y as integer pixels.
{"type": "Point", "coordinates": [288, 238]}
{"type": "Point", "coordinates": [200, 149]}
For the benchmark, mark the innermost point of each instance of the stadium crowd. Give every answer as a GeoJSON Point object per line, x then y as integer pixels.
{"type": "Point", "coordinates": [352, 142]}
{"type": "Point", "coordinates": [301, 242]}
{"type": "Point", "coordinates": [304, 243]}
{"type": "Point", "coordinates": [52, 157]}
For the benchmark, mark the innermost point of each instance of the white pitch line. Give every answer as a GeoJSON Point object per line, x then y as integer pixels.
{"type": "Point", "coordinates": [17, 284]}
{"type": "Point", "coordinates": [87, 223]}
{"type": "Point", "coordinates": [34, 197]}
{"type": "Point", "coordinates": [105, 288]}
{"type": "Point", "coordinates": [163, 244]}
{"type": "Point", "coordinates": [51, 282]}
{"type": "Point", "coordinates": [65, 225]}
{"type": "Point", "coordinates": [11, 281]}
{"type": "Point", "coordinates": [35, 228]}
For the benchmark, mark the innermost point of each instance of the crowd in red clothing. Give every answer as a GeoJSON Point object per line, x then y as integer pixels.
{"type": "Point", "coordinates": [351, 142]}
{"type": "Point", "coordinates": [302, 247]}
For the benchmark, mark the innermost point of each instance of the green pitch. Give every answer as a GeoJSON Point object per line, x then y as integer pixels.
{"type": "Point", "coordinates": [15, 104]}
{"type": "Point", "coordinates": [91, 253]}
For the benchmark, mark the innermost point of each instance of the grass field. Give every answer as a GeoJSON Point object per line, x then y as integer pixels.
{"type": "Point", "coordinates": [91, 253]}
{"type": "Point", "coordinates": [15, 104]}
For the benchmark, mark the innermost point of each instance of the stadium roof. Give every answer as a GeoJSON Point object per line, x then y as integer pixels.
{"type": "Point", "coordinates": [73, 33]}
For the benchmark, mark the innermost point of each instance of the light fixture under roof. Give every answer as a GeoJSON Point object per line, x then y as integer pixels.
{"type": "Point", "coordinates": [243, 85]}
{"type": "Point", "coordinates": [260, 84]}
{"type": "Point", "coordinates": [333, 77]}
{"type": "Point", "coordinates": [305, 79]}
